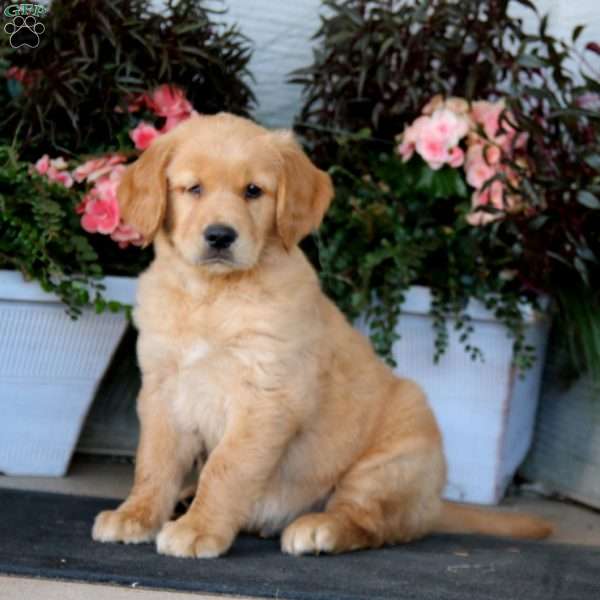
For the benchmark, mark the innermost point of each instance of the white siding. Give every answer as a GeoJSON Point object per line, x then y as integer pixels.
{"type": "Point", "coordinates": [281, 32]}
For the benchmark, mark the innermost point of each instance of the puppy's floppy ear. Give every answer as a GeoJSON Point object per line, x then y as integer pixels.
{"type": "Point", "coordinates": [142, 192]}
{"type": "Point", "coordinates": [303, 193]}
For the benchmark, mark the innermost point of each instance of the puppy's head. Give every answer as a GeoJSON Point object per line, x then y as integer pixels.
{"type": "Point", "coordinates": [222, 188]}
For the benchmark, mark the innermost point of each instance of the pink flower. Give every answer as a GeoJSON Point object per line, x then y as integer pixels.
{"type": "Point", "coordinates": [125, 235]}
{"type": "Point", "coordinates": [54, 169]}
{"type": "Point", "coordinates": [95, 168]}
{"type": "Point", "coordinates": [432, 147]}
{"type": "Point", "coordinates": [43, 164]}
{"type": "Point", "coordinates": [106, 188]}
{"type": "Point", "coordinates": [100, 207]}
{"type": "Point", "coordinates": [62, 177]}
{"type": "Point", "coordinates": [406, 150]}
{"type": "Point", "coordinates": [477, 169]}
{"type": "Point", "coordinates": [450, 125]}
{"type": "Point", "coordinates": [457, 157]}
{"type": "Point", "coordinates": [169, 101]}
{"type": "Point", "coordinates": [493, 118]}
{"type": "Point", "coordinates": [492, 155]}
{"type": "Point", "coordinates": [435, 138]}
{"type": "Point", "coordinates": [492, 195]}
{"type": "Point", "coordinates": [143, 135]}
{"type": "Point", "coordinates": [101, 216]}
{"type": "Point", "coordinates": [487, 114]}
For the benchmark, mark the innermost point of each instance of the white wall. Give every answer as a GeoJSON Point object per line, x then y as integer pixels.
{"type": "Point", "coordinates": [281, 31]}
{"type": "Point", "coordinates": [565, 15]}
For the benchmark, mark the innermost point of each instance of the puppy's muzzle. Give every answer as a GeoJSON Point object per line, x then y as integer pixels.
{"type": "Point", "coordinates": [220, 237]}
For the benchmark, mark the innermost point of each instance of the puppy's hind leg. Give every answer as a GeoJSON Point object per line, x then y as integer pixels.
{"type": "Point", "coordinates": [390, 495]}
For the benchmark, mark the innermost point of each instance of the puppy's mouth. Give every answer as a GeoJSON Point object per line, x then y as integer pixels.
{"type": "Point", "coordinates": [217, 257]}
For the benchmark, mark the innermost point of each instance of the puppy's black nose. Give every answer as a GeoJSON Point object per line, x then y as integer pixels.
{"type": "Point", "coordinates": [220, 236]}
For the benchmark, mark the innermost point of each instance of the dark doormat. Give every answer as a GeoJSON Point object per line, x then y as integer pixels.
{"type": "Point", "coordinates": [48, 535]}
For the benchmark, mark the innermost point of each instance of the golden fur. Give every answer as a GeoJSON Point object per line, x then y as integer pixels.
{"type": "Point", "coordinates": [252, 373]}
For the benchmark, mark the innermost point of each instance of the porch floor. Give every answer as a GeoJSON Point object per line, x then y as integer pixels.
{"type": "Point", "coordinates": [574, 525]}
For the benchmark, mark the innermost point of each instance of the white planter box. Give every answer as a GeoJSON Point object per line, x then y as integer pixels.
{"type": "Point", "coordinates": [50, 368]}
{"type": "Point", "coordinates": [485, 411]}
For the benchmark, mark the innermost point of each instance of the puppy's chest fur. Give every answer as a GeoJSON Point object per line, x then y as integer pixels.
{"type": "Point", "coordinates": [212, 351]}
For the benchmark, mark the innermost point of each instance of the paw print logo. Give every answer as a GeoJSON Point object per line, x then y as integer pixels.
{"type": "Point", "coordinates": [24, 31]}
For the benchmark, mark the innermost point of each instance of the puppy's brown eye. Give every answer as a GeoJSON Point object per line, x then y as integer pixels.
{"type": "Point", "coordinates": [196, 190]}
{"type": "Point", "coordinates": [252, 192]}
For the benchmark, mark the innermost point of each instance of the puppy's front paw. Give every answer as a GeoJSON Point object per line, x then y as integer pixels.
{"type": "Point", "coordinates": [180, 538]}
{"type": "Point", "coordinates": [121, 526]}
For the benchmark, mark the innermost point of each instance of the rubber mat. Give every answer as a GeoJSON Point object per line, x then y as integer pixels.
{"type": "Point", "coordinates": [48, 535]}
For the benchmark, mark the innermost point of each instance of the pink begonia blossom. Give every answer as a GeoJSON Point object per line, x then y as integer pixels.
{"type": "Point", "coordinates": [43, 164]}
{"type": "Point", "coordinates": [96, 168]}
{"type": "Point", "coordinates": [100, 216]}
{"type": "Point", "coordinates": [437, 136]}
{"type": "Point", "coordinates": [101, 208]}
{"type": "Point", "coordinates": [143, 135]}
{"type": "Point", "coordinates": [450, 125]}
{"type": "Point", "coordinates": [406, 150]}
{"type": "Point", "coordinates": [55, 170]}
{"type": "Point", "coordinates": [492, 154]}
{"type": "Point", "coordinates": [489, 116]}
{"type": "Point", "coordinates": [62, 177]}
{"type": "Point", "coordinates": [475, 137]}
{"type": "Point", "coordinates": [457, 157]}
{"type": "Point", "coordinates": [169, 100]}
{"type": "Point", "coordinates": [125, 235]}
{"type": "Point", "coordinates": [477, 169]}
{"type": "Point", "coordinates": [492, 195]}
{"type": "Point", "coordinates": [432, 148]}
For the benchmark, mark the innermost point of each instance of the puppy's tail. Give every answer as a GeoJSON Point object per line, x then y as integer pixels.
{"type": "Point", "coordinates": [460, 518]}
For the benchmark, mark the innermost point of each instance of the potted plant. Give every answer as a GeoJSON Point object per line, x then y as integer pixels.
{"type": "Point", "coordinates": [430, 122]}
{"type": "Point", "coordinates": [76, 115]}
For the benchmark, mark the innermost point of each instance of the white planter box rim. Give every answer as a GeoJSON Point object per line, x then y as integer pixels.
{"type": "Point", "coordinates": [418, 300]}
{"type": "Point", "coordinates": [14, 287]}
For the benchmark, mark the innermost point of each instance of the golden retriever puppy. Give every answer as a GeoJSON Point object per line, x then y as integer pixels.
{"type": "Point", "coordinates": [252, 373]}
